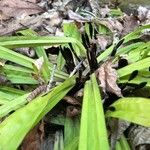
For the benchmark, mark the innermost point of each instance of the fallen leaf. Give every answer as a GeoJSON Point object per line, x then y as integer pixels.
{"type": "Point", "coordinates": [75, 16]}
{"type": "Point", "coordinates": [139, 141]}
{"type": "Point", "coordinates": [15, 25]}
{"type": "Point", "coordinates": [71, 100]}
{"type": "Point", "coordinates": [107, 76]}
{"type": "Point", "coordinates": [73, 111]}
{"type": "Point", "coordinates": [95, 5]}
{"type": "Point", "coordinates": [15, 8]}
{"type": "Point", "coordinates": [34, 138]}
{"type": "Point", "coordinates": [112, 24]}
{"type": "Point", "coordinates": [104, 11]}
{"type": "Point", "coordinates": [26, 51]}
{"type": "Point", "coordinates": [79, 94]}
{"type": "Point", "coordinates": [103, 41]}
{"type": "Point", "coordinates": [117, 128]}
{"type": "Point", "coordinates": [129, 24]}
{"type": "Point", "coordinates": [143, 13]}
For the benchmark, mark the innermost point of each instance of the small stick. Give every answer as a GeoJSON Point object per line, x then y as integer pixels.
{"type": "Point", "coordinates": [76, 68]}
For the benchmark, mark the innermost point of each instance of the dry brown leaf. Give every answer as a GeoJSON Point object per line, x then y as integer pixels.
{"type": "Point", "coordinates": [112, 24]}
{"type": "Point", "coordinates": [16, 8]}
{"type": "Point", "coordinates": [34, 138]}
{"type": "Point", "coordinates": [103, 41]}
{"type": "Point", "coordinates": [107, 76]}
{"type": "Point", "coordinates": [72, 111]}
{"type": "Point", "coordinates": [104, 11]}
{"type": "Point", "coordinates": [129, 24]}
{"type": "Point", "coordinates": [14, 25]}
{"type": "Point", "coordinates": [71, 100]}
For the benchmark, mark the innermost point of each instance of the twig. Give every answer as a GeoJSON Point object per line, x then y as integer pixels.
{"type": "Point", "coordinates": [76, 68]}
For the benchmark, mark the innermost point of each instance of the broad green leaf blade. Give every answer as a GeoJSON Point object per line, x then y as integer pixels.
{"type": "Point", "coordinates": [137, 80]}
{"type": "Point", "coordinates": [21, 79]}
{"type": "Point", "coordinates": [15, 57]}
{"type": "Point", "coordinates": [136, 33]}
{"type": "Point", "coordinates": [13, 105]}
{"type": "Point", "coordinates": [17, 125]}
{"type": "Point", "coordinates": [40, 51]}
{"type": "Point", "coordinates": [122, 144]}
{"type": "Point", "coordinates": [93, 134]}
{"type": "Point", "coordinates": [60, 61]}
{"type": "Point", "coordinates": [142, 64]}
{"type": "Point", "coordinates": [128, 48]}
{"type": "Point", "coordinates": [29, 41]}
{"type": "Point", "coordinates": [72, 126]}
{"type": "Point", "coordinates": [73, 145]}
{"type": "Point", "coordinates": [132, 109]}
{"type": "Point", "coordinates": [7, 94]}
{"type": "Point", "coordinates": [71, 30]}
{"type": "Point", "coordinates": [133, 35]}
{"type": "Point", "coordinates": [105, 54]}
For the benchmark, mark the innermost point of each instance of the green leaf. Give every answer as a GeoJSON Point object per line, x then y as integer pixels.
{"type": "Point", "coordinates": [21, 79]}
{"type": "Point", "coordinates": [105, 54]}
{"type": "Point", "coordinates": [40, 51]}
{"type": "Point", "coordinates": [122, 144]}
{"type": "Point", "coordinates": [128, 48]}
{"type": "Point", "coordinates": [136, 33]}
{"type": "Point", "coordinates": [7, 94]}
{"type": "Point", "coordinates": [13, 105]}
{"type": "Point", "coordinates": [58, 143]}
{"type": "Point", "coordinates": [72, 126]}
{"type": "Point", "coordinates": [15, 57]}
{"type": "Point", "coordinates": [142, 64]}
{"type": "Point", "coordinates": [132, 109]}
{"type": "Point", "coordinates": [14, 128]}
{"type": "Point", "coordinates": [136, 80]}
{"type": "Point", "coordinates": [29, 41]}
{"type": "Point", "coordinates": [93, 134]}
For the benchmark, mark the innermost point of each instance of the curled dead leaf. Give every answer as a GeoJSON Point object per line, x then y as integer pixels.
{"type": "Point", "coordinates": [107, 76]}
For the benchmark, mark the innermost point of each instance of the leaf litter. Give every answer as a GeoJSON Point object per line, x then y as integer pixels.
{"type": "Point", "coordinates": [107, 76]}
{"type": "Point", "coordinates": [46, 18]}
